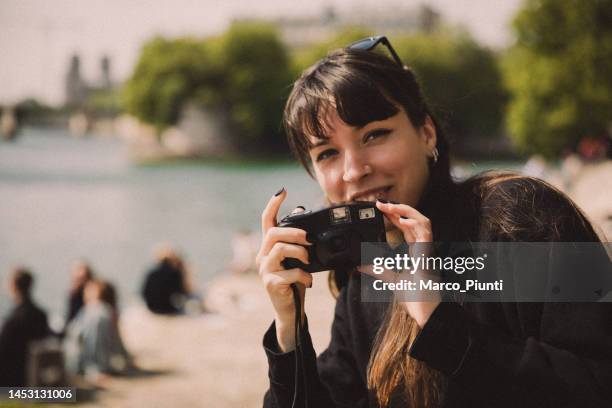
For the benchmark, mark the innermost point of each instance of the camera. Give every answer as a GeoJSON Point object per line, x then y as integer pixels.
{"type": "Point", "coordinates": [336, 234]}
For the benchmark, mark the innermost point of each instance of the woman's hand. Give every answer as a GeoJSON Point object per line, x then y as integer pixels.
{"type": "Point", "coordinates": [416, 229]}
{"type": "Point", "coordinates": [277, 244]}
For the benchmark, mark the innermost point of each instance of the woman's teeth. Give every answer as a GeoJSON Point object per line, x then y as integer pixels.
{"type": "Point", "coordinates": [382, 193]}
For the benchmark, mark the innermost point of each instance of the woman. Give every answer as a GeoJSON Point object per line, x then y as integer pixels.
{"type": "Point", "coordinates": [82, 273]}
{"type": "Point", "coordinates": [359, 124]}
{"type": "Point", "coordinates": [93, 344]}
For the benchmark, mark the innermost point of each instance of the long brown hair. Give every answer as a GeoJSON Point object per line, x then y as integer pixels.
{"type": "Point", "coordinates": [363, 86]}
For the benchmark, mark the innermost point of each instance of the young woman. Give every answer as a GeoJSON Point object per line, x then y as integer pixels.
{"type": "Point", "coordinates": [359, 124]}
{"type": "Point", "coordinates": [93, 343]}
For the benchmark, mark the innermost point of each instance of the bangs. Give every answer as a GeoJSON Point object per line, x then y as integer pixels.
{"type": "Point", "coordinates": [357, 97]}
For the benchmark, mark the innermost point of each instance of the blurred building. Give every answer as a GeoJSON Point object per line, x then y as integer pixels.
{"type": "Point", "coordinates": [303, 31]}
{"type": "Point", "coordinates": [78, 90]}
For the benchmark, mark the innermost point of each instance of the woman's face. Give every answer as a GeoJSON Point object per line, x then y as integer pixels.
{"type": "Point", "coordinates": [91, 293]}
{"type": "Point", "coordinates": [385, 159]}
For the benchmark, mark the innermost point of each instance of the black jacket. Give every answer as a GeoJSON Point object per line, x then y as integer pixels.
{"type": "Point", "coordinates": [162, 284]}
{"type": "Point", "coordinates": [27, 322]}
{"type": "Point", "coordinates": [492, 354]}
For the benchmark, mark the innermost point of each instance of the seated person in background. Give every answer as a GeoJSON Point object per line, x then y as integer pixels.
{"type": "Point", "coordinates": [93, 343]}
{"type": "Point", "coordinates": [165, 288]}
{"type": "Point", "coordinates": [81, 274]}
{"type": "Point", "coordinates": [27, 322]}
{"type": "Point", "coordinates": [245, 245]}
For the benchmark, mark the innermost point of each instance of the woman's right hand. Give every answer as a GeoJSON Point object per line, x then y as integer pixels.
{"type": "Point", "coordinates": [277, 244]}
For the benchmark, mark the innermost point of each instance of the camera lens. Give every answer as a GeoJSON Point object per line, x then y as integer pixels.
{"type": "Point", "coordinates": [338, 243]}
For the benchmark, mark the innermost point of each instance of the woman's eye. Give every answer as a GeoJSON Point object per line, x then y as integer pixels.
{"type": "Point", "coordinates": [326, 154]}
{"type": "Point", "coordinates": [376, 133]}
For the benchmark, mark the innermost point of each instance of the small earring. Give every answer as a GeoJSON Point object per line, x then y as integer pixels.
{"type": "Point", "coordinates": [435, 154]}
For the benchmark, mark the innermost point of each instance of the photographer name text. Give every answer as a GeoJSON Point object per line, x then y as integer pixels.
{"type": "Point", "coordinates": [432, 285]}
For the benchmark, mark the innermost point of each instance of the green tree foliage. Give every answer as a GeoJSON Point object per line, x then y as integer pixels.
{"type": "Point", "coordinates": [257, 79]}
{"type": "Point", "coordinates": [559, 74]}
{"type": "Point", "coordinates": [243, 75]}
{"type": "Point", "coordinates": [169, 73]}
{"type": "Point", "coordinates": [461, 80]}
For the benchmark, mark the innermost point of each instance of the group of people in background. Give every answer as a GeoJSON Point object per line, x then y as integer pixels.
{"type": "Point", "coordinates": [90, 343]}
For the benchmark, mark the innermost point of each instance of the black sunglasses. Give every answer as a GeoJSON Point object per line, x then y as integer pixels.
{"type": "Point", "coordinates": [370, 43]}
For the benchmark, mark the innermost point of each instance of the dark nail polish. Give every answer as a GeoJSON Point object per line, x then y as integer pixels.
{"type": "Point", "coordinates": [279, 192]}
{"type": "Point", "coordinates": [301, 206]}
{"type": "Point", "coordinates": [383, 201]}
{"type": "Point", "coordinates": [403, 218]}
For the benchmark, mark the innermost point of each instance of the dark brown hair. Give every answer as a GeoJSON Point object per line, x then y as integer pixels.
{"type": "Point", "coordinates": [23, 280]}
{"type": "Point", "coordinates": [343, 81]}
{"type": "Point", "coordinates": [108, 294]}
{"type": "Point", "coordinates": [364, 86]}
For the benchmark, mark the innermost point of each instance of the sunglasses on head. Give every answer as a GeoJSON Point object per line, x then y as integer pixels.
{"type": "Point", "coordinates": [368, 44]}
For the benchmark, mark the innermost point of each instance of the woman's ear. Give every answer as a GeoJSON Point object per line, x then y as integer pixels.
{"type": "Point", "coordinates": [428, 133]}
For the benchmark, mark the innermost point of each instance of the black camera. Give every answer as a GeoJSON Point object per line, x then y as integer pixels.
{"type": "Point", "coordinates": [336, 234]}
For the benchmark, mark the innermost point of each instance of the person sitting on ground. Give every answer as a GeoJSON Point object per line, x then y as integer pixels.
{"type": "Point", "coordinates": [93, 343]}
{"type": "Point", "coordinates": [81, 274]}
{"type": "Point", "coordinates": [26, 323]}
{"type": "Point", "coordinates": [244, 250]}
{"type": "Point", "coordinates": [165, 288]}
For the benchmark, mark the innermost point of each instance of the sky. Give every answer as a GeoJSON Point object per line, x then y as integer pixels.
{"type": "Point", "coordinates": [37, 37]}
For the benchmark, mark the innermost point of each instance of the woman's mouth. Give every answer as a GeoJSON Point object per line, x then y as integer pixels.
{"type": "Point", "coordinates": [372, 194]}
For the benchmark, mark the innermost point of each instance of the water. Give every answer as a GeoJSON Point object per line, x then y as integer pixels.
{"type": "Point", "coordinates": [63, 198]}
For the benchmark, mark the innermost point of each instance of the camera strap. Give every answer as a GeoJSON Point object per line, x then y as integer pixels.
{"type": "Point", "coordinates": [299, 351]}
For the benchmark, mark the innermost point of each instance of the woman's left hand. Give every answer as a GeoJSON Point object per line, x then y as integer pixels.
{"type": "Point", "coordinates": [416, 229]}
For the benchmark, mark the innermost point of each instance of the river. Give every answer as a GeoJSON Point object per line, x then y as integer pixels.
{"type": "Point", "coordinates": [64, 198]}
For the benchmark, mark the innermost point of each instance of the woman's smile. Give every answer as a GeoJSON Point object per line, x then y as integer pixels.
{"type": "Point", "coordinates": [372, 194]}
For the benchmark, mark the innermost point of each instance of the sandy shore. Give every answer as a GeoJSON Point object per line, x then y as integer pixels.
{"type": "Point", "coordinates": [216, 359]}
{"type": "Point", "coordinates": [212, 360]}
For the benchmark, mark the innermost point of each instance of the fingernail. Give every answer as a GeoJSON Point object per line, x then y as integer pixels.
{"type": "Point", "coordinates": [301, 206]}
{"type": "Point", "coordinates": [279, 192]}
{"type": "Point", "coordinates": [383, 201]}
{"type": "Point", "coordinates": [310, 286]}
{"type": "Point", "coordinates": [394, 202]}
{"type": "Point", "coordinates": [403, 218]}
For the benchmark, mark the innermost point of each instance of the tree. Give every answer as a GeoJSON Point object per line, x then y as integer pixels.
{"type": "Point", "coordinates": [257, 79]}
{"type": "Point", "coordinates": [243, 75]}
{"type": "Point", "coordinates": [169, 73]}
{"type": "Point", "coordinates": [558, 73]}
{"type": "Point", "coordinates": [460, 78]}
{"type": "Point", "coordinates": [461, 81]}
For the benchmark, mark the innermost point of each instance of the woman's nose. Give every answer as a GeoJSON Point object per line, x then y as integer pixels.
{"type": "Point", "coordinates": [355, 168]}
